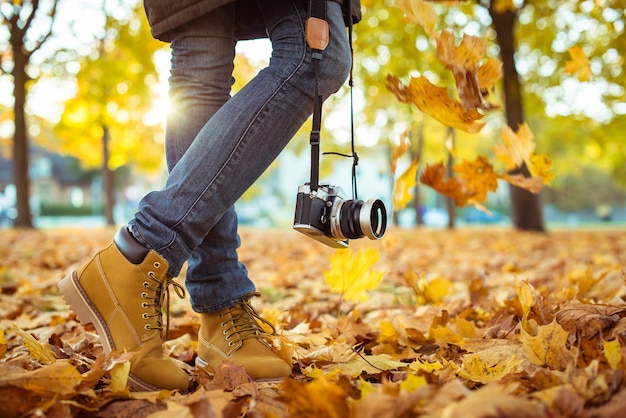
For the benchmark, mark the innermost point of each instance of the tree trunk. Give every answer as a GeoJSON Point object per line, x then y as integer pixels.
{"type": "Point", "coordinates": [20, 141]}
{"type": "Point", "coordinates": [108, 191]}
{"type": "Point", "coordinates": [526, 208]}
{"type": "Point", "coordinates": [417, 203]}
{"type": "Point", "coordinates": [450, 206]}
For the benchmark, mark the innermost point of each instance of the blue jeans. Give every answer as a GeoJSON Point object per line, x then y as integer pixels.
{"type": "Point", "coordinates": [217, 146]}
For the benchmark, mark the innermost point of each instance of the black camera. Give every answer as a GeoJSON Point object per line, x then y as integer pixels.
{"type": "Point", "coordinates": [327, 216]}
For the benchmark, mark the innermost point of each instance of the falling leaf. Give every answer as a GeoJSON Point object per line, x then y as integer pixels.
{"type": "Point", "coordinates": [475, 179]}
{"type": "Point", "coordinates": [399, 151]}
{"type": "Point", "coordinates": [352, 275]}
{"type": "Point", "coordinates": [421, 13]}
{"type": "Point", "coordinates": [435, 102]}
{"type": "Point", "coordinates": [518, 147]}
{"type": "Point", "coordinates": [404, 185]}
{"type": "Point", "coordinates": [478, 178]}
{"type": "Point", "coordinates": [579, 64]}
{"type": "Point", "coordinates": [527, 296]}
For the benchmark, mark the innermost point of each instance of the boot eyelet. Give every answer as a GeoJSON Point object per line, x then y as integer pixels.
{"type": "Point", "coordinates": [144, 315]}
{"type": "Point", "coordinates": [227, 337]}
{"type": "Point", "coordinates": [223, 324]}
{"type": "Point", "coordinates": [144, 305]}
{"type": "Point", "coordinates": [157, 265]}
{"type": "Point", "coordinates": [230, 344]}
{"type": "Point", "coordinates": [144, 295]}
{"type": "Point", "coordinates": [147, 327]}
{"type": "Point", "coordinates": [146, 284]}
{"type": "Point", "coordinates": [151, 274]}
{"type": "Point", "coordinates": [225, 332]}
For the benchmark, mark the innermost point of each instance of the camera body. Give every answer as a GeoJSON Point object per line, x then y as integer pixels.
{"type": "Point", "coordinates": [329, 217]}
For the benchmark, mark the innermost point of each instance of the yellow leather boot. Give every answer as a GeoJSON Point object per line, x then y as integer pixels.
{"type": "Point", "coordinates": [234, 334]}
{"type": "Point", "coordinates": [123, 300]}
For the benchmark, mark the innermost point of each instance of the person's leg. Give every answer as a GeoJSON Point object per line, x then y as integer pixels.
{"type": "Point", "coordinates": [242, 139]}
{"type": "Point", "coordinates": [235, 146]}
{"type": "Point", "coordinates": [122, 289]}
{"type": "Point", "coordinates": [200, 83]}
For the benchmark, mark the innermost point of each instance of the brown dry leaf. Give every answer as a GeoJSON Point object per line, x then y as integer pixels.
{"type": "Point", "coordinates": [464, 62]}
{"type": "Point", "coordinates": [59, 378]}
{"type": "Point", "coordinates": [588, 320]}
{"type": "Point", "coordinates": [435, 102]}
{"type": "Point", "coordinates": [494, 400]}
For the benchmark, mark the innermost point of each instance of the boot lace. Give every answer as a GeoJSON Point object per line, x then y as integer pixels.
{"type": "Point", "coordinates": [159, 293]}
{"type": "Point", "coordinates": [244, 322]}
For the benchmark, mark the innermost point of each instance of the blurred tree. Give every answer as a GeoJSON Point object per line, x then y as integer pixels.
{"type": "Point", "coordinates": [107, 123]}
{"type": "Point", "coordinates": [26, 26]}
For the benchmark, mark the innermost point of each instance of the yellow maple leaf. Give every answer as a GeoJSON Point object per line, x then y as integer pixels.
{"type": "Point", "coordinates": [541, 165]}
{"type": "Point", "coordinates": [578, 64]}
{"type": "Point", "coordinates": [612, 353]}
{"type": "Point", "coordinates": [548, 347]}
{"type": "Point", "coordinates": [421, 13]}
{"type": "Point", "coordinates": [518, 148]}
{"type": "Point", "coordinates": [435, 102]}
{"type": "Point", "coordinates": [352, 275]}
{"type": "Point", "coordinates": [413, 382]}
{"type": "Point", "coordinates": [404, 185]}
{"type": "Point", "coordinates": [480, 368]}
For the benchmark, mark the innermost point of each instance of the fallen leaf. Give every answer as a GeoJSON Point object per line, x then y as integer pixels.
{"type": "Point", "coordinates": [548, 347]}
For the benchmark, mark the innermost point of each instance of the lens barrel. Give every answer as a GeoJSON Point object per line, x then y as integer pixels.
{"type": "Point", "coordinates": [352, 219]}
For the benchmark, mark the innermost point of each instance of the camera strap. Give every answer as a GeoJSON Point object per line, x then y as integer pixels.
{"type": "Point", "coordinates": [317, 37]}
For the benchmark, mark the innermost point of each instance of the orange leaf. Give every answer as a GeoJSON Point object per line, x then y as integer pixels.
{"type": "Point", "coordinates": [578, 64]}
{"type": "Point", "coordinates": [319, 398]}
{"type": "Point", "coordinates": [479, 178]}
{"type": "Point", "coordinates": [464, 62]}
{"type": "Point", "coordinates": [421, 13]}
{"type": "Point", "coordinates": [435, 102]}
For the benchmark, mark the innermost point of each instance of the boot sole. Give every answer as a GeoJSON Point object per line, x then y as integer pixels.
{"type": "Point", "coordinates": [86, 313]}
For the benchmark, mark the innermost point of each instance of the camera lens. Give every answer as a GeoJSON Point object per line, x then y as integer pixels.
{"type": "Point", "coordinates": [355, 219]}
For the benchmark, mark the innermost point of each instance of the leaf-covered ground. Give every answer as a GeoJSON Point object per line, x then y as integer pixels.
{"type": "Point", "coordinates": [467, 323]}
